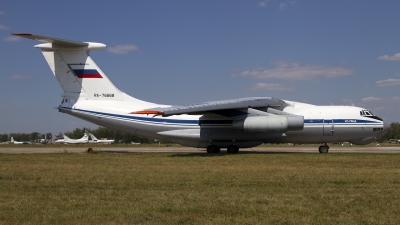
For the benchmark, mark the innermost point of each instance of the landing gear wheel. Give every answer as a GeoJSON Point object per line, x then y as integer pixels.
{"type": "Point", "coordinates": [232, 149]}
{"type": "Point", "coordinates": [213, 149]}
{"type": "Point", "coordinates": [323, 149]}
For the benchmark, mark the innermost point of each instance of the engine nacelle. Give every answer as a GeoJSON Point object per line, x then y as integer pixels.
{"type": "Point", "coordinates": [269, 124]}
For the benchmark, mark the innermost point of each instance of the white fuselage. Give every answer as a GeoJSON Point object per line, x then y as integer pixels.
{"type": "Point", "coordinates": [322, 124]}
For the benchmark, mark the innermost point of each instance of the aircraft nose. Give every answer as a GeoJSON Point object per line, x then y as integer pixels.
{"type": "Point", "coordinates": [386, 126]}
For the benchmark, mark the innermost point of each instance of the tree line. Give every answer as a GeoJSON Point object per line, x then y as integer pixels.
{"type": "Point", "coordinates": [393, 133]}
{"type": "Point", "coordinates": [25, 136]}
{"type": "Point", "coordinates": [101, 132]}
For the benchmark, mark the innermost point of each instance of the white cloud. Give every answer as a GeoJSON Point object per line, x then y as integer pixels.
{"type": "Point", "coordinates": [371, 99]}
{"type": "Point", "coordinates": [295, 71]}
{"type": "Point", "coordinates": [388, 82]}
{"type": "Point", "coordinates": [396, 57]}
{"type": "Point", "coordinates": [2, 13]}
{"type": "Point", "coordinates": [271, 87]}
{"type": "Point", "coordinates": [123, 49]}
{"type": "Point", "coordinates": [2, 27]}
{"type": "Point", "coordinates": [263, 4]}
{"type": "Point", "coordinates": [282, 6]}
{"type": "Point", "coordinates": [20, 77]}
{"type": "Point", "coordinates": [12, 38]}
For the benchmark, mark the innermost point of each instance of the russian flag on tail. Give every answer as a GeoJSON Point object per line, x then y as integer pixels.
{"type": "Point", "coordinates": [85, 73]}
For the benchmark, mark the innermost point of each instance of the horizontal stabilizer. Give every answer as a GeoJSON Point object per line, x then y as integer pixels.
{"type": "Point", "coordinates": [54, 43]}
{"type": "Point", "coordinates": [52, 40]}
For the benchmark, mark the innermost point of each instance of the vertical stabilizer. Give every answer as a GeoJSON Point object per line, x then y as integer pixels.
{"type": "Point", "coordinates": [76, 72]}
{"type": "Point", "coordinates": [66, 138]}
{"type": "Point", "coordinates": [93, 137]}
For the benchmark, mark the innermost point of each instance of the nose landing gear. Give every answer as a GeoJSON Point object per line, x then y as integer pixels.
{"type": "Point", "coordinates": [323, 148]}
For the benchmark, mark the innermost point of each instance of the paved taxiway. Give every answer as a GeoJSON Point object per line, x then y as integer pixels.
{"type": "Point", "coordinates": [293, 149]}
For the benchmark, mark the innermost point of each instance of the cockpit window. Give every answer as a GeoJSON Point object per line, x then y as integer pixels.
{"type": "Point", "coordinates": [365, 112]}
{"type": "Point", "coordinates": [369, 114]}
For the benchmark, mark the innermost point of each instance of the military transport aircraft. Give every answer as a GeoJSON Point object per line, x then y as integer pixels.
{"type": "Point", "coordinates": [20, 142]}
{"type": "Point", "coordinates": [83, 140]}
{"type": "Point", "coordinates": [97, 141]}
{"type": "Point", "coordinates": [232, 124]}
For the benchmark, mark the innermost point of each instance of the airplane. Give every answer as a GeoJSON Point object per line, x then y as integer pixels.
{"type": "Point", "coordinates": [43, 141]}
{"type": "Point", "coordinates": [90, 95]}
{"type": "Point", "coordinates": [95, 140]}
{"type": "Point", "coordinates": [59, 141]}
{"type": "Point", "coordinates": [83, 140]}
{"type": "Point", "coordinates": [19, 142]}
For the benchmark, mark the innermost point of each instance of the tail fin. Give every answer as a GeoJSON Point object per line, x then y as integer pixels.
{"type": "Point", "coordinates": [66, 138]}
{"type": "Point", "coordinates": [12, 140]}
{"type": "Point", "coordinates": [76, 72]}
{"type": "Point", "coordinates": [85, 137]}
{"type": "Point", "coordinates": [93, 137]}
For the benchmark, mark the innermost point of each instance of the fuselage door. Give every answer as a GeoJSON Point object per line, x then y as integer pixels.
{"type": "Point", "coordinates": [328, 128]}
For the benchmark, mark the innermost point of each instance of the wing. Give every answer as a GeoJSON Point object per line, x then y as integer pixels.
{"type": "Point", "coordinates": [215, 106]}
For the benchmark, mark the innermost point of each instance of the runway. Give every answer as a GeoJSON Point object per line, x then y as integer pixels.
{"type": "Point", "coordinates": [107, 149]}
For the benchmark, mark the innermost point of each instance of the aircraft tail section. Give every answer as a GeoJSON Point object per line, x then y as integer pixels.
{"type": "Point", "coordinates": [74, 69]}
{"type": "Point", "coordinates": [12, 140]}
{"type": "Point", "coordinates": [93, 137]}
{"type": "Point", "coordinates": [85, 137]}
{"type": "Point", "coordinates": [66, 138]}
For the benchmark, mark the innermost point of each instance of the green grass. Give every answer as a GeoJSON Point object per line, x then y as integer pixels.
{"type": "Point", "coordinates": [200, 188]}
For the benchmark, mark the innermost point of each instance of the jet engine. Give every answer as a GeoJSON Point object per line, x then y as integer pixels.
{"type": "Point", "coordinates": [269, 124]}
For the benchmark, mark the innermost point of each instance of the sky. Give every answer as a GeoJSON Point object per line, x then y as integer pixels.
{"type": "Point", "coordinates": [183, 52]}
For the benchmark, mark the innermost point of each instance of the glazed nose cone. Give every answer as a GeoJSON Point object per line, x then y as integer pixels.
{"type": "Point", "coordinates": [386, 126]}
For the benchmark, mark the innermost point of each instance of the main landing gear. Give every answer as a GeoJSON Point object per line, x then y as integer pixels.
{"type": "Point", "coordinates": [232, 149]}
{"type": "Point", "coordinates": [213, 149]}
{"type": "Point", "coordinates": [323, 148]}
{"type": "Point", "coordinates": [216, 149]}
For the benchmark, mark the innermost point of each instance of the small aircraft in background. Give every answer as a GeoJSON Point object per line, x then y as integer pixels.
{"type": "Point", "coordinates": [83, 140]}
{"type": "Point", "coordinates": [67, 140]}
{"type": "Point", "coordinates": [59, 141]}
{"type": "Point", "coordinates": [95, 140]}
{"type": "Point", "coordinates": [19, 142]}
{"type": "Point", "coordinates": [43, 141]}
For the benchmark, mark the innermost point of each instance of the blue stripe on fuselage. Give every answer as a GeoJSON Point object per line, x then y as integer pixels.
{"type": "Point", "coordinates": [223, 122]}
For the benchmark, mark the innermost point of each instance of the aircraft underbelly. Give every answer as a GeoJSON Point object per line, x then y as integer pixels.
{"type": "Point", "coordinates": [201, 136]}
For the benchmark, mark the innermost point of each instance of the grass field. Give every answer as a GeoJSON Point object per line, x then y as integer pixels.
{"type": "Point", "coordinates": [200, 188]}
{"type": "Point", "coordinates": [177, 145]}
